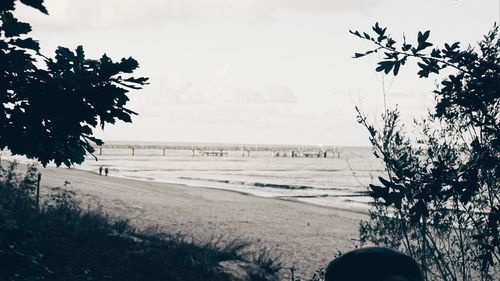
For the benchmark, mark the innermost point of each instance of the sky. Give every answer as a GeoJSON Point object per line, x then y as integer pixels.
{"type": "Point", "coordinates": [257, 71]}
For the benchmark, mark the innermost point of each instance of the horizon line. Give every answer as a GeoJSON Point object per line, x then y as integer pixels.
{"type": "Point", "coordinates": [230, 143]}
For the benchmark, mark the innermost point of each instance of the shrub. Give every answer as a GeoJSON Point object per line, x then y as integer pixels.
{"type": "Point", "coordinates": [440, 199]}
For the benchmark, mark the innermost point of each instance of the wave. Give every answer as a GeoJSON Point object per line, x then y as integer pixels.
{"type": "Point", "coordinates": [282, 186]}
{"type": "Point", "coordinates": [256, 184]}
{"type": "Point", "coordinates": [141, 178]}
{"type": "Point", "coordinates": [326, 195]}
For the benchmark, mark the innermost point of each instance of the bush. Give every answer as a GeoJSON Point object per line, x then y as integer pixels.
{"type": "Point", "coordinates": [440, 199]}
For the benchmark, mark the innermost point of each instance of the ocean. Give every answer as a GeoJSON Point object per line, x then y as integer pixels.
{"type": "Point", "coordinates": [334, 181]}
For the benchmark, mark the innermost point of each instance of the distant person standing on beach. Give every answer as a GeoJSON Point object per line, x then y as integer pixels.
{"type": "Point", "coordinates": [106, 171]}
{"type": "Point", "coordinates": [100, 171]}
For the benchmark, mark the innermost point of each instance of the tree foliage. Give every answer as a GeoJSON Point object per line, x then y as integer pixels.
{"type": "Point", "coordinates": [440, 200]}
{"type": "Point", "coordinates": [50, 106]}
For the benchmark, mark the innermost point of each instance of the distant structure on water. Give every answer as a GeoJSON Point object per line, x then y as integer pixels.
{"type": "Point", "coordinates": [222, 150]}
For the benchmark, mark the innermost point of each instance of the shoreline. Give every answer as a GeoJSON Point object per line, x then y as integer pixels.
{"type": "Point", "coordinates": [281, 198]}
{"type": "Point", "coordinates": [307, 236]}
{"type": "Point", "coordinates": [297, 199]}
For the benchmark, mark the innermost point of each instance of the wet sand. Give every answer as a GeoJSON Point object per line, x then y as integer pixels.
{"type": "Point", "coordinates": [305, 236]}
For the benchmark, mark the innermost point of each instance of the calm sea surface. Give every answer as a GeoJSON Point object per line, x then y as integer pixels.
{"type": "Point", "coordinates": [339, 182]}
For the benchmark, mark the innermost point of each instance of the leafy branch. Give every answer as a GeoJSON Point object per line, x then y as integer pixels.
{"type": "Point", "coordinates": [51, 105]}
{"type": "Point", "coordinates": [395, 57]}
{"type": "Point", "coordinates": [442, 193]}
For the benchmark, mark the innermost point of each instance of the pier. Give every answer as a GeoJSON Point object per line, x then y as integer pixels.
{"type": "Point", "coordinates": [201, 152]}
{"type": "Point", "coordinates": [308, 153]}
{"type": "Point", "coordinates": [223, 150]}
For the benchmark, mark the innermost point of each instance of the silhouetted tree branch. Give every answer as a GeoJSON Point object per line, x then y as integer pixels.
{"type": "Point", "coordinates": [49, 112]}
{"type": "Point", "coordinates": [442, 189]}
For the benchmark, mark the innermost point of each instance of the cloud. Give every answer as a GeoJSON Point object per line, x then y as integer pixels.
{"type": "Point", "coordinates": [272, 94]}
{"type": "Point", "coordinates": [413, 101]}
{"type": "Point", "coordinates": [174, 97]}
{"type": "Point", "coordinates": [174, 89]}
{"type": "Point", "coordinates": [280, 94]}
{"type": "Point", "coordinates": [68, 14]}
{"type": "Point", "coordinates": [322, 6]}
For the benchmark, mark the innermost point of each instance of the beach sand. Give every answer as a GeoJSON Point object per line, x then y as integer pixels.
{"type": "Point", "coordinates": [306, 236]}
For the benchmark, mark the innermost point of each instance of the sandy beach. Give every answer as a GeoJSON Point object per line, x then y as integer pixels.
{"type": "Point", "coordinates": [305, 236]}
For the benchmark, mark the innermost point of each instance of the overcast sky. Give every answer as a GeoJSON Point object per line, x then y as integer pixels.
{"type": "Point", "coordinates": [256, 71]}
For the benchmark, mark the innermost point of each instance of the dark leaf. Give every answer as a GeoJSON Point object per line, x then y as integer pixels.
{"type": "Point", "coordinates": [385, 182]}
{"type": "Point", "coordinates": [385, 66]}
{"type": "Point", "coordinates": [422, 37]}
{"type": "Point", "coordinates": [406, 47]}
{"type": "Point", "coordinates": [436, 53]}
{"type": "Point", "coordinates": [27, 43]}
{"type": "Point", "coordinates": [6, 5]}
{"type": "Point", "coordinates": [390, 43]}
{"type": "Point", "coordinates": [12, 27]}
{"type": "Point", "coordinates": [37, 4]}
{"type": "Point", "coordinates": [378, 191]}
{"type": "Point", "coordinates": [397, 64]}
{"type": "Point", "coordinates": [355, 33]}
